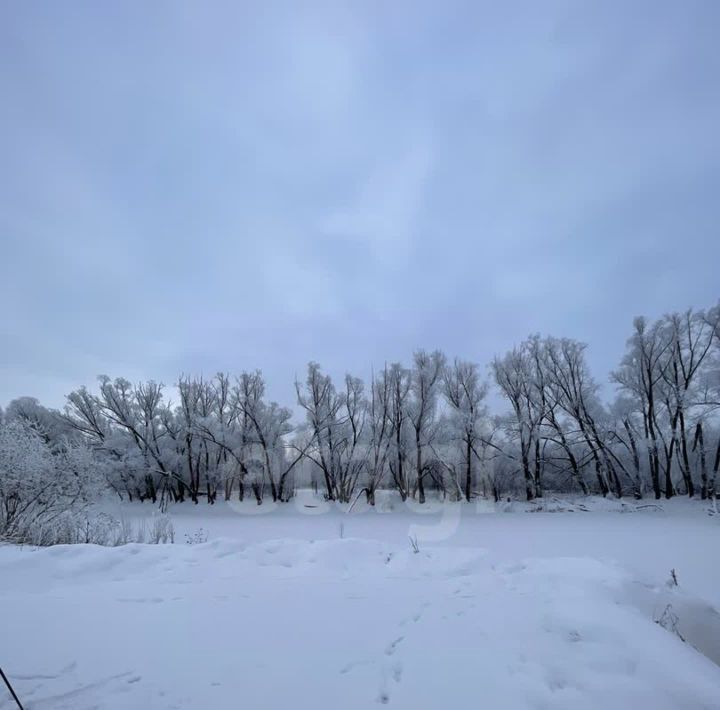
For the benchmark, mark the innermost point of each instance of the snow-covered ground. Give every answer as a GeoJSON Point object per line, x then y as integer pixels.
{"type": "Point", "coordinates": [312, 607]}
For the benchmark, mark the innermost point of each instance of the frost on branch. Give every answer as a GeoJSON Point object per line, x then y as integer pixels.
{"type": "Point", "coordinates": [43, 491]}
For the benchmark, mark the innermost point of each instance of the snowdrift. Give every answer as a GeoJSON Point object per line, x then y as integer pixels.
{"type": "Point", "coordinates": [348, 623]}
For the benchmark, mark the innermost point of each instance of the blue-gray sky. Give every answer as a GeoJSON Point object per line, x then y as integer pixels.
{"type": "Point", "coordinates": [190, 187]}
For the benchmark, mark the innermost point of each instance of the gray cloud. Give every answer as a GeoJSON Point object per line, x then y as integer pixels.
{"type": "Point", "coordinates": [254, 185]}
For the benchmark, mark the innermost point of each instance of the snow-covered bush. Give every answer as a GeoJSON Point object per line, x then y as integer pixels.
{"type": "Point", "coordinates": [161, 530]}
{"type": "Point", "coordinates": [44, 492]}
{"type": "Point", "coordinates": [91, 527]}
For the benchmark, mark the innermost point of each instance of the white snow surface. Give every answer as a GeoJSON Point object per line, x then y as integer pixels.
{"type": "Point", "coordinates": [315, 608]}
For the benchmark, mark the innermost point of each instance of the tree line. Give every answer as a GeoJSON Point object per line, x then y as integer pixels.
{"type": "Point", "coordinates": [420, 429]}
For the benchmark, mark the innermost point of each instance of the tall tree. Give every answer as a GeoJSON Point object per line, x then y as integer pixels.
{"type": "Point", "coordinates": [465, 394]}
{"type": "Point", "coordinates": [400, 433]}
{"type": "Point", "coordinates": [640, 375]}
{"type": "Point", "coordinates": [514, 376]}
{"type": "Point", "coordinates": [424, 387]}
{"type": "Point", "coordinates": [336, 422]}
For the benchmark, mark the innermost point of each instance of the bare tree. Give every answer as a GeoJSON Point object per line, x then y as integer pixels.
{"type": "Point", "coordinates": [690, 336]}
{"type": "Point", "coordinates": [514, 376]}
{"type": "Point", "coordinates": [270, 424]}
{"type": "Point", "coordinates": [379, 425]}
{"type": "Point", "coordinates": [465, 394]}
{"type": "Point", "coordinates": [640, 375]}
{"type": "Point", "coordinates": [575, 392]}
{"type": "Point", "coordinates": [421, 405]}
{"type": "Point", "coordinates": [712, 385]}
{"type": "Point", "coordinates": [399, 423]}
{"type": "Point", "coordinates": [661, 429]}
{"type": "Point", "coordinates": [336, 422]}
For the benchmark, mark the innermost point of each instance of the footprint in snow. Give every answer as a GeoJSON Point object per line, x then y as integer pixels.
{"type": "Point", "coordinates": [352, 666]}
{"type": "Point", "coordinates": [397, 671]}
{"type": "Point", "coordinates": [417, 615]}
{"type": "Point", "coordinates": [392, 647]}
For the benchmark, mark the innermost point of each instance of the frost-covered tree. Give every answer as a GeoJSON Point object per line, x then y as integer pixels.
{"type": "Point", "coordinates": [425, 380]}
{"type": "Point", "coordinates": [129, 423]}
{"type": "Point", "coordinates": [400, 429]}
{"type": "Point", "coordinates": [641, 375]}
{"type": "Point", "coordinates": [379, 433]}
{"type": "Point", "coordinates": [42, 488]}
{"type": "Point", "coordinates": [465, 394]}
{"type": "Point", "coordinates": [49, 423]}
{"type": "Point", "coordinates": [269, 425]}
{"type": "Point", "coordinates": [336, 424]}
{"type": "Point", "coordinates": [691, 338]}
{"type": "Point", "coordinates": [711, 400]}
{"type": "Point", "coordinates": [572, 389]}
{"type": "Point", "coordinates": [417, 427]}
{"type": "Point", "coordinates": [514, 375]}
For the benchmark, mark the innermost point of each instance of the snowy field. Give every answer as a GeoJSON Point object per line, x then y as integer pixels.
{"type": "Point", "coordinates": [312, 607]}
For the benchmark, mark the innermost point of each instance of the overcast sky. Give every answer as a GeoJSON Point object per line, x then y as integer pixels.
{"type": "Point", "coordinates": [193, 187]}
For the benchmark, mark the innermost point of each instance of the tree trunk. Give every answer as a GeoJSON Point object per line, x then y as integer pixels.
{"type": "Point", "coordinates": [637, 492]}
{"type": "Point", "coordinates": [713, 478]}
{"type": "Point", "coordinates": [700, 444]}
{"type": "Point", "coordinates": [654, 456]}
{"type": "Point", "coordinates": [669, 490]}
{"type": "Point", "coordinates": [538, 471]}
{"type": "Point", "coordinates": [653, 462]}
{"type": "Point", "coordinates": [468, 469]}
{"type": "Point", "coordinates": [686, 472]}
{"type": "Point", "coordinates": [602, 483]}
{"type": "Point", "coordinates": [526, 471]}
{"type": "Point", "coordinates": [420, 482]}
